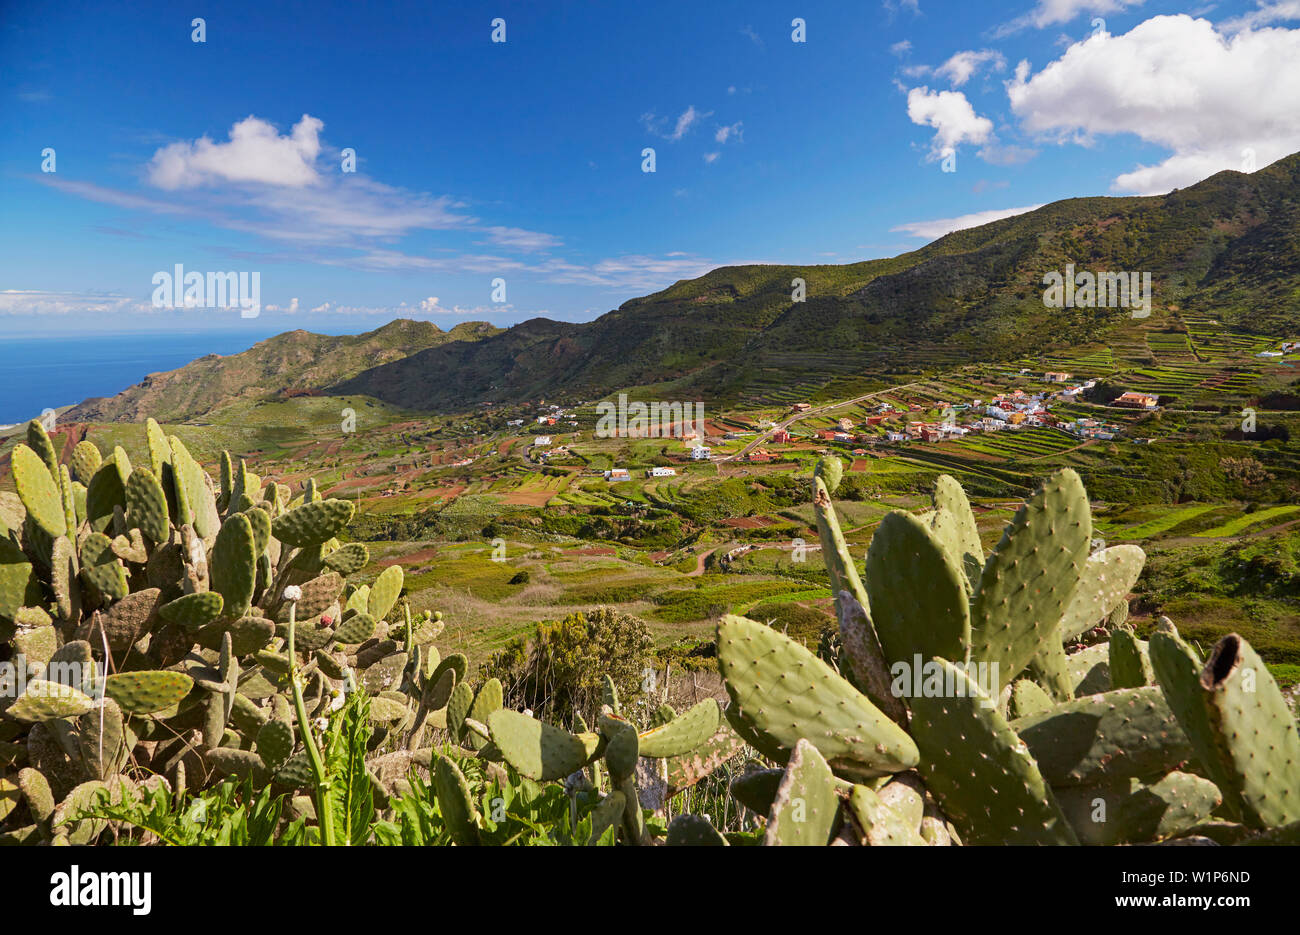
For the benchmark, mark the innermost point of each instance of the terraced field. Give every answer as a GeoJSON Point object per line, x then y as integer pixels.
{"type": "Point", "coordinates": [1166, 519]}
{"type": "Point", "coordinates": [1026, 444]}
{"type": "Point", "coordinates": [1247, 521]}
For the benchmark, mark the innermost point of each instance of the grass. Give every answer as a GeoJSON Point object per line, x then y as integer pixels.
{"type": "Point", "coordinates": [1164, 522]}
{"type": "Point", "coordinates": [1247, 520]}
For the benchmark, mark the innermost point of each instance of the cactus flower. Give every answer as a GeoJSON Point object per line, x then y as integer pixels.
{"type": "Point", "coordinates": [293, 593]}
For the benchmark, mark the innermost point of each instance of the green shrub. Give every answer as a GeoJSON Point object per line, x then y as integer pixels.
{"type": "Point", "coordinates": [560, 667]}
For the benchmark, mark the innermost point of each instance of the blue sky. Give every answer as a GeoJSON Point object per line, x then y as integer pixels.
{"type": "Point", "coordinates": [522, 160]}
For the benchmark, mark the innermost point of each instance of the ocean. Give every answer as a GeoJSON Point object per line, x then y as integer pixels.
{"type": "Point", "coordinates": [49, 373]}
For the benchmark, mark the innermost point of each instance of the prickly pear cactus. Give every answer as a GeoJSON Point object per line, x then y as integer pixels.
{"type": "Point", "coordinates": [996, 730]}
{"type": "Point", "coordinates": [145, 610]}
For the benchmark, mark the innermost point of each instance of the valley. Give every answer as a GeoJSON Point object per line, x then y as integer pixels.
{"type": "Point", "coordinates": [507, 515]}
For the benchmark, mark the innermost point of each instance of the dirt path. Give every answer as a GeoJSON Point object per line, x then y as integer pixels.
{"type": "Point", "coordinates": [699, 564]}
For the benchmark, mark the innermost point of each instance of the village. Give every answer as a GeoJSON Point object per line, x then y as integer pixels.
{"type": "Point", "coordinates": [890, 424]}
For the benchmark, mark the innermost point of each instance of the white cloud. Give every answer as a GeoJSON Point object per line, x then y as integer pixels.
{"type": "Point", "coordinates": [931, 230]}
{"type": "Point", "coordinates": [623, 273]}
{"type": "Point", "coordinates": [726, 133]}
{"type": "Point", "coordinates": [1054, 12]}
{"type": "Point", "coordinates": [901, 47]}
{"type": "Point", "coordinates": [711, 158]}
{"type": "Point", "coordinates": [339, 211]}
{"type": "Point", "coordinates": [256, 152]}
{"type": "Point", "coordinates": [753, 36]}
{"type": "Point", "coordinates": [1176, 82]}
{"type": "Point", "coordinates": [964, 65]}
{"type": "Point", "coordinates": [523, 240]}
{"type": "Point", "coordinates": [1000, 154]}
{"type": "Point", "coordinates": [893, 6]}
{"type": "Point", "coordinates": [952, 116]}
{"type": "Point", "coordinates": [40, 302]}
{"type": "Point", "coordinates": [628, 273]}
{"type": "Point", "coordinates": [111, 196]}
{"type": "Point", "coordinates": [1267, 12]}
{"type": "Point", "coordinates": [429, 304]}
{"type": "Point", "coordinates": [688, 118]}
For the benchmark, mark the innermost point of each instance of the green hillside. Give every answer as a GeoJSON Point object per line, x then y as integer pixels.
{"type": "Point", "coordinates": [1226, 251]}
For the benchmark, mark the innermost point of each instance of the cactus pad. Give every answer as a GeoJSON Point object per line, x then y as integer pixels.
{"type": "Point", "coordinates": [538, 750]}
{"type": "Point", "coordinates": [147, 692]}
{"type": "Point", "coordinates": [684, 732]}
{"type": "Point", "coordinates": [313, 523]}
{"type": "Point", "coordinates": [1115, 735]}
{"type": "Point", "coordinates": [960, 535]}
{"type": "Point", "coordinates": [234, 564]}
{"type": "Point", "coordinates": [49, 701]}
{"type": "Point", "coordinates": [967, 749]}
{"type": "Point", "coordinates": [349, 559]}
{"type": "Point", "coordinates": [146, 505]}
{"type": "Point", "coordinates": [1130, 812]}
{"type": "Point", "coordinates": [39, 490]}
{"type": "Point", "coordinates": [1129, 665]}
{"type": "Point", "coordinates": [274, 744]}
{"type": "Point", "coordinates": [882, 825]}
{"type": "Point", "coordinates": [806, 807]}
{"type": "Point", "coordinates": [787, 693]}
{"type": "Point", "coordinates": [694, 831]}
{"type": "Point", "coordinates": [86, 460]}
{"type": "Point", "coordinates": [1106, 578]}
{"type": "Point", "coordinates": [356, 629]}
{"type": "Point", "coordinates": [1238, 721]}
{"type": "Point", "coordinates": [1030, 579]}
{"type": "Point", "coordinates": [385, 591]}
{"type": "Point", "coordinates": [19, 587]}
{"type": "Point", "coordinates": [455, 803]}
{"type": "Point", "coordinates": [193, 610]}
{"type": "Point", "coordinates": [918, 592]}
{"type": "Point", "coordinates": [101, 569]}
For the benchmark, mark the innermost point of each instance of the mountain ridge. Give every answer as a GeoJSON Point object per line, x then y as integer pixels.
{"type": "Point", "coordinates": [1228, 246]}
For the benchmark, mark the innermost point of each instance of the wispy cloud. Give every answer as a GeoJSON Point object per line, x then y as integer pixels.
{"type": "Point", "coordinates": [937, 228]}
{"type": "Point", "coordinates": [38, 302]}
{"type": "Point", "coordinates": [680, 127]}
{"type": "Point", "coordinates": [734, 131]}
{"type": "Point", "coordinates": [1055, 12]}
{"type": "Point", "coordinates": [523, 240]}
{"type": "Point", "coordinates": [1266, 13]}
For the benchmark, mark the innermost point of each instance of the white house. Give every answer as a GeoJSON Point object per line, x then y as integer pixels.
{"type": "Point", "coordinates": [542, 441]}
{"type": "Point", "coordinates": [514, 422]}
{"type": "Point", "coordinates": [661, 472]}
{"type": "Point", "coordinates": [701, 453]}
